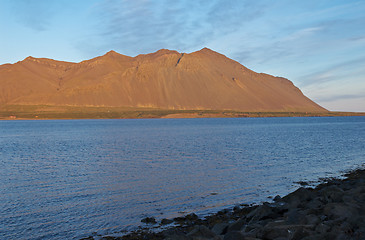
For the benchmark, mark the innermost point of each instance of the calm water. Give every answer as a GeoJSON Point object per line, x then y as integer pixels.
{"type": "Point", "coordinates": [67, 179]}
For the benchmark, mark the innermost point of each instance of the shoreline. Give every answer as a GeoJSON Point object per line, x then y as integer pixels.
{"type": "Point", "coordinates": [40, 112]}
{"type": "Point", "coordinates": [334, 209]}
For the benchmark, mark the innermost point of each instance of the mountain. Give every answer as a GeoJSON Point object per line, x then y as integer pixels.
{"type": "Point", "coordinates": [165, 79]}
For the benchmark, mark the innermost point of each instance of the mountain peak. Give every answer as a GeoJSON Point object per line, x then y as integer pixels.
{"type": "Point", "coordinates": [205, 49]}
{"type": "Point", "coordinates": [112, 53]}
{"type": "Point", "coordinates": [29, 58]}
{"type": "Point", "coordinates": [166, 51]}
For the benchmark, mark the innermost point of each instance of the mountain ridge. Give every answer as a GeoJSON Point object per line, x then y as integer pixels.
{"type": "Point", "coordinates": [165, 79]}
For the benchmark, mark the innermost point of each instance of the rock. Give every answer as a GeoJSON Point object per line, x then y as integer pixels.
{"type": "Point", "coordinates": [166, 221]}
{"type": "Point", "coordinates": [237, 225]}
{"type": "Point", "coordinates": [234, 235]}
{"type": "Point", "coordinates": [312, 219]}
{"type": "Point", "coordinates": [305, 194]}
{"type": "Point", "coordinates": [339, 210]}
{"type": "Point", "coordinates": [294, 216]}
{"type": "Point", "coordinates": [253, 230]}
{"type": "Point", "coordinates": [220, 228]}
{"type": "Point", "coordinates": [174, 234]}
{"type": "Point", "coordinates": [177, 237]}
{"type": "Point", "coordinates": [286, 231]}
{"type": "Point", "coordinates": [357, 190]}
{"type": "Point", "coordinates": [332, 194]}
{"type": "Point", "coordinates": [315, 236]}
{"type": "Point", "coordinates": [300, 233]}
{"type": "Point", "coordinates": [191, 217]}
{"type": "Point", "coordinates": [275, 232]}
{"type": "Point", "coordinates": [315, 204]}
{"type": "Point", "coordinates": [322, 228]}
{"type": "Point", "coordinates": [260, 213]}
{"type": "Point", "coordinates": [277, 198]}
{"type": "Point", "coordinates": [202, 232]}
{"type": "Point", "coordinates": [149, 220]}
{"type": "Point", "coordinates": [299, 198]}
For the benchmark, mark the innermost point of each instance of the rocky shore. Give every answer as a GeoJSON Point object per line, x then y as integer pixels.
{"type": "Point", "coordinates": [335, 209]}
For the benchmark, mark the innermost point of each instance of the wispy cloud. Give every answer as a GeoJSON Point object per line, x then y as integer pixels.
{"type": "Point", "coordinates": [144, 26]}
{"type": "Point", "coordinates": [339, 71]}
{"type": "Point", "coordinates": [35, 15]}
{"type": "Point", "coordinates": [338, 97]}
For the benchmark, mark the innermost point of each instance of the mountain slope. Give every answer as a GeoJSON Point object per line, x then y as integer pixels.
{"type": "Point", "coordinates": [165, 79]}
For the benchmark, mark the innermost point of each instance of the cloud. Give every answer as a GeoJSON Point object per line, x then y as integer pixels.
{"type": "Point", "coordinates": [340, 71]}
{"type": "Point", "coordinates": [338, 97]}
{"type": "Point", "coordinates": [35, 15]}
{"type": "Point", "coordinates": [353, 104]}
{"type": "Point", "coordinates": [144, 26]}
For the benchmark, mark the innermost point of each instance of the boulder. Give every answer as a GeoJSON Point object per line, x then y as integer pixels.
{"type": "Point", "coordinates": [237, 225]}
{"type": "Point", "coordinates": [262, 212]}
{"type": "Point", "coordinates": [295, 216]}
{"type": "Point", "coordinates": [332, 194]}
{"type": "Point", "coordinates": [166, 221]}
{"type": "Point", "coordinates": [201, 232]}
{"type": "Point", "coordinates": [340, 210]}
{"type": "Point", "coordinates": [220, 228]}
{"type": "Point", "coordinates": [149, 220]}
{"type": "Point", "coordinates": [234, 235]}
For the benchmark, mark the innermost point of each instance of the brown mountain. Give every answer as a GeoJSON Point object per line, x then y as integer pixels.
{"type": "Point", "coordinates": [165, 79]}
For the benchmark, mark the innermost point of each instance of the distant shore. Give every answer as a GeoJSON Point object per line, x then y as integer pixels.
{"type": "Point", "coordinates": [38, 112]}
{"type": "Point", "coordinates": [332, 210]}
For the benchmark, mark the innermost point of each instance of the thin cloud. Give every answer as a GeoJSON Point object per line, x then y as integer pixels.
{"type": "Point", "coordinates": [144, 26]}
{"type": "Point", "coordinates": [35, 15]}
{"type": "Point", "coordinates": [338, 97]}
{"type": "Point", "coordinates": [335, 72]}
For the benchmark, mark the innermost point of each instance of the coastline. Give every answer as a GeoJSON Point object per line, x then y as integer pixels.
{"type": "Point", "coordinates": [47, 112]}
{"type": "Point", "coordinates": [334, 209]}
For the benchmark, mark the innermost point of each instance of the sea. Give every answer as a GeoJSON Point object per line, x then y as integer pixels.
{"type": "Point", "coordinates": [69, 179]}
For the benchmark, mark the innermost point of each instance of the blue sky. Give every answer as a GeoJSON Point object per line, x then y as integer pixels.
{"type": "Point", "coordinates": [317, 44]}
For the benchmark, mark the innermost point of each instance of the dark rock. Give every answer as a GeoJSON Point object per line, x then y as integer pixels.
{"type": "Point", "coordinates": [191, 217]}
{"type": "Point", "coordinates": [201, 232]}
{"type": "Point", "coordinates": [312, 219]}
{"type": "Point", "coordinates": [339, 210]}
{"type": "Point", "coordinates": [322, 228]}
{"type": "Point", "coordinates": [332, 194]}
{"type": "Point", "coordinates": [261, 212]}
{"type": "Point", "coordinates": [314, 204]}
{"type": "Point", "coordinates": [149, 220]}
{"type": "Point", "coordinates": [174, 234]}
{"type": "Point", "coordinates": [237, 225]}
{"type": "Point", "coordinates": [277, 198]}
{"type": "Point", "coordinates": [177, 237]}
{"type": "Point", "coordinates": [294, 216]}
{"type": "Point", "coordinates": [234, 235]}
{"type": "Point", "coordinates": [220, 228]}
{"type": "Point", "coordinates": [299, 197]}
{"type": "Point", "coordinates": [315, 236]}
{"type": "Point", "coordinates": [300, 233]}
{"type": "Point", "coordinates": [254, 230]}
{"type": "Point", "coordinates": [166, 221]}
{"type": "Point", "coordinates": [275, 232]}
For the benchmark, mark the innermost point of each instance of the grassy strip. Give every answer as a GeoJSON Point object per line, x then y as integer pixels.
{"type": "Point", "coordinates": [89, 112]}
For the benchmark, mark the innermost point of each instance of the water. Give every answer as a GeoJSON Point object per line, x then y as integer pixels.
{"type": "Point", "coordinates": [66, 179]}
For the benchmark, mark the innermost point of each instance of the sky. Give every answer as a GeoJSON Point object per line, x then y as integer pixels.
{"type": "Point", "coordinates": [317, 44]}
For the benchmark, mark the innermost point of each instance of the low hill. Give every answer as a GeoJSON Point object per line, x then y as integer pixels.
{"type": "Point", "coordinates": [202, 80]}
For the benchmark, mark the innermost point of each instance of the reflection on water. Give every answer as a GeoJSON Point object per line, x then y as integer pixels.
{"type": "Point", "coordinates": [73, 178]}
